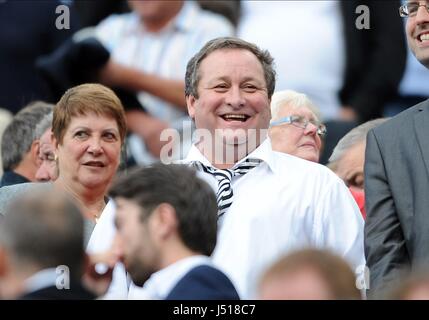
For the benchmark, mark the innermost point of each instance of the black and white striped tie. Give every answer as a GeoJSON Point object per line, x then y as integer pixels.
{"type": "Point", "coordinates": [224, 177]}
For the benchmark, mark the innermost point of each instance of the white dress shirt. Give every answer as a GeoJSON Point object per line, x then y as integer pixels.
{"type": "Point", "coordinates": [100, 241]}
{"type": "Point", "coordinates": [160, 284]}
{"type": "Point", "coordinates": [284, 204]}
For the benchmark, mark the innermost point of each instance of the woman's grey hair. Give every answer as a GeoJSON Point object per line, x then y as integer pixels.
{"type": "Point", "coordinates": [292, 98]}
{"type": "Point", "coordinates": [352, 138]}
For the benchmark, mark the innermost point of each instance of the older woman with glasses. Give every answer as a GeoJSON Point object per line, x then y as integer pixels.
{"type": "Point", "coordinates": [295, 127]}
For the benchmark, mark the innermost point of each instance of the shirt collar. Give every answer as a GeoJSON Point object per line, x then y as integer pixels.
{"type": "Point", "coordinates": [160, 284]}
{"type": "Point", "coordinates": [263, 152]}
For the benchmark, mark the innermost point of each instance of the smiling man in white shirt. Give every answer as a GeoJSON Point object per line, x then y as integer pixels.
{"type": "Point", "coordinates": [269, 203]}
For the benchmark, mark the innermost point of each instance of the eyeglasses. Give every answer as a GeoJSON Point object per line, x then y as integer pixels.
{"type": "Point", "coordinates": [410, 9]}
{"type": "Point", "coordinates": [301, 122]}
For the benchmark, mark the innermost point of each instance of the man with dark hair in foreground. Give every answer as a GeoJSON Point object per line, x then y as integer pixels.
{"type": "Point", "coordinates": [166, 219]}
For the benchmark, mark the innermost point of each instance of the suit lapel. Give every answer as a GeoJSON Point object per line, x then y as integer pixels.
{"type": "Point", "coordinates": [421, 127]}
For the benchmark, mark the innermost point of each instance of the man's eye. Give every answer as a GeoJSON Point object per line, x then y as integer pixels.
{"type": "Point", "coordinates": [221, 87]}
{"type": "Point", "coordinates": [249, 88]}
{"type": "Point", "coordinates": [356, 181]}
{"type": "Point", "coordinates": [412, 8]}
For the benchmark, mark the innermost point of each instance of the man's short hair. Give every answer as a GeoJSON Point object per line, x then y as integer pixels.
{"type": "Point", "coordinates": [352, 138]}
{"type": "Point", "coordinates": [19, 134]}
{"type": "Point", "coordinates": [44, 228]}
{"type": "Point", "coordinates": [42, 126]}
{"type": "Point", "coordinates": [177, 185]}
{"type": "Point", "coordinates": [193, 68]}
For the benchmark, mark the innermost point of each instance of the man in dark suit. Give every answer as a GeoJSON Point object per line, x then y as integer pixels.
{"type": "Point", "coordinates": [397, 177]}
{"type": "Point", "coordinates": [166, 221]}
{"type": "Point", "coordinates": [42, 253]}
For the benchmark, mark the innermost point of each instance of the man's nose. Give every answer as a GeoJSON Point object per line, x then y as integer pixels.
{"type": "Point", "coordinates": [422, 15]}
{"type": "Point", "coordinates": [235, 98]}
{"type": "Point", "coordinates": [42, 175]}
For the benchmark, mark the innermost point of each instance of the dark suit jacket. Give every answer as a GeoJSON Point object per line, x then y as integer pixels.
{"type": "Point", "coordinates": [10, 178]}
{"type": "Point", "coordinates": [397, 195]}
{"type": "Point", "coordinates": [204, 283]}
{"type": "Point", "coordinates": [76, 292]}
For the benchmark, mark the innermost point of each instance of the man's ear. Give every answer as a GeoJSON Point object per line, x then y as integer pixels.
{"type": "Point", "coordinates": [34, 152]}
{"type": "Point", "coordinates": [166, 220]}
{"type": "Point", "coordinates": [190, 103]}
